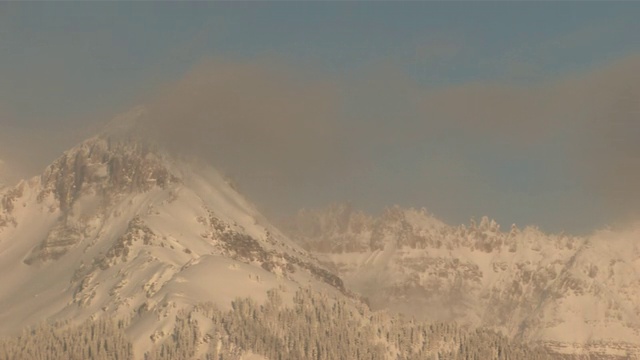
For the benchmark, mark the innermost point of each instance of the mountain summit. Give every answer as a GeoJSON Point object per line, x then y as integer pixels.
{"type": "Point", "coordinates": [116, 227]}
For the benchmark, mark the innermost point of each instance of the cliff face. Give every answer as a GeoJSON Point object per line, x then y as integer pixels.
{"type": "Point", "coordinates": [573, 294]}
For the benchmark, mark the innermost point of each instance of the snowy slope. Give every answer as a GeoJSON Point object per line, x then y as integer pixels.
{"type": "Point", "coordinates": [115, 227]}
{"type": "Point", "coordinates": [574, 294]}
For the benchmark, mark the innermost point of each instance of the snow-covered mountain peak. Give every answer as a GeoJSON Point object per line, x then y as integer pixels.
{"type": "Point", "coordinates": [117, 227]}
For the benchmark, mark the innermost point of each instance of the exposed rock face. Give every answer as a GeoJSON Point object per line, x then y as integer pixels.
{"type": "Point", "coordinates": [103, 166]}
{"type": "Point", "coordinates": [7, 204]}
{"type": "Point", "coordinates": [60, 238]}
{"type": "Point", "coordinates": [571, 293]}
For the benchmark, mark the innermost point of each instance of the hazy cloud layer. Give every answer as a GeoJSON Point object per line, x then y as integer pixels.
{"type": "Point", "coordinates": [593, 117]}
{"type": "Point", "coordinates": [258, 122]}
{"type": "Point", "coordinates": [562, 152]}
{"type": "Point", "coordinates": [27, 150]}
{"type": "Point", "coordinates": [3, 174]}
{"type": "Point", "coordinates": [482, 147]}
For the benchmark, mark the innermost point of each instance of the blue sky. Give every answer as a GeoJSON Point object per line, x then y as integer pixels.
{"type": "Point", "coordinates": [392, 82]}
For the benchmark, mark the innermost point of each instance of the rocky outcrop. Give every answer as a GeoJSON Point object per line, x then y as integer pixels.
{"type": "Point", "coordinates": [104, 166]}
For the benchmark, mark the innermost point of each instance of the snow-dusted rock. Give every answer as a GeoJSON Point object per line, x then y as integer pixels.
{"type": "Point", "coordinates": [574, 294]}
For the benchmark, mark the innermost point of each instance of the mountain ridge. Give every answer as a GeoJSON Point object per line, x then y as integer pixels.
{"type": "Point", "coordinates": [118, 228]}
{"type": "Point", "coordinates": [568, 292]}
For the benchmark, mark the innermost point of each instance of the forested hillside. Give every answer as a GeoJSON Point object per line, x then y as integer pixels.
{"type": "Point", "coordinates": [315, 327]}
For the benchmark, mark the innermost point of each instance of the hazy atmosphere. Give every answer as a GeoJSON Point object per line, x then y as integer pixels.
{"type": "Point", "coordinates": [528, 113]}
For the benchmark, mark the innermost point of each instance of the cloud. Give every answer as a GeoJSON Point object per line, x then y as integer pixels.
{"type": "Point", "coordinates": [1, 168]}
{"type": "Point", "coordinates": [534, 112]}
{"type": "Point", "coordinates": [525, 153]}
{"type": "Point", "coordinates": [271, 127]}
{"type": "Point", "coordinates": [293, 139]}
{"type": "Point", "coordinates": [611, 146]}
{"type": "Point", "coordinates": [27, 150]}
{"type": "Point", "coordinates": [4, 174]}
{"type": "Point", "coordinates": [593, 117]}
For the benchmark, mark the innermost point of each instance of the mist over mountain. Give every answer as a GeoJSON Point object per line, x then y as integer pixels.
{"type": "Point", "coordinates": [543, 154]}
{"type": "Point", "coordinates": [120, 235]}
{"type": "Point", "coordinates": [2, 173]}
{"type": "Point", "coordinates": [116, 227]}
{"type": "Point", "coordinates": [319, 180]}
{"type": "Point", "coordinates": [573, 294]}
